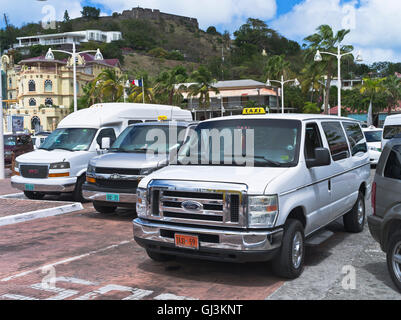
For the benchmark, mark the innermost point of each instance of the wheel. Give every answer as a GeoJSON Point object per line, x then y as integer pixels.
{"type": "Point", "coordinates": [104, 209]}
{"type": "Point", "coordinates": [354, 221]}
{"type": "Point", "coordinates": [34, 195]}
{"type": "Point", "coordinates": [394, 259]}
{"type": "Point", "coordinates": [159, 257]}
{"type": "Point", "coordinates": [290, 261]}
{"type": "Point", "coordinates": [77, 195]}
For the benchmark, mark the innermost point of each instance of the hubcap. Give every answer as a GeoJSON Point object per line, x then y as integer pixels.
{"type": "Point", "coordinates": [396, 257]}
{"type": "Point", "coordinates": [361, 212]}
{"type": "Point", "coordinates": [297, 250]}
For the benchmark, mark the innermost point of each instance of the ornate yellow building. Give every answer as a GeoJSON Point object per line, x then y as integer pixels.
{"type": "Point", "coordinates": [42, 90]}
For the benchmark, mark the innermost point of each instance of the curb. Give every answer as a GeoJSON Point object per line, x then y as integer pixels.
{"type": "Point", "coordinates": [44, 213]}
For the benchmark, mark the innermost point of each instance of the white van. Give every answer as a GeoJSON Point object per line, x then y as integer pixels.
{"type": "Point", "coordinates": [392, 128]}
{"type": "Point", "coordinates": [60, 164]}
{"type": "Point", "coordinates": [305, 172]}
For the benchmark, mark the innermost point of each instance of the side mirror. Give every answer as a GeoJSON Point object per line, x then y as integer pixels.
{"type": "Point", "coordinates": [105, 143]}
{"type": "Point", "coordinates": [322, 158]}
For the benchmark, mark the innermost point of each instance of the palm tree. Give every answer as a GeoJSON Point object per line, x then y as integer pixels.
{"type": "Point", "coordinates": [203, 85]}
{"type": "Point", "coordinates": [276, 67]}
{"type": "Point", "coordinates": [110, 85]}
{"type": "Point", "coordinates": [167, 89]}
{"type": "Point", "coordinates": [137, 93]}
{"type": "Point", "coordinates": [325, 40]}
{"type": "Point", "coordinates": [370, 88]}
{"type": "Point", "coordinates": [392, 88]}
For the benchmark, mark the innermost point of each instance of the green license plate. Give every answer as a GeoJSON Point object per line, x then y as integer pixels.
{"type": "Point", "coordinates": [29, 187]}
{"type": "Point", "coordinates": [113, 197]}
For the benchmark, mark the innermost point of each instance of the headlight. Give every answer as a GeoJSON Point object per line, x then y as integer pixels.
{"type": "Point", "coordinates": [141, 202]}
{"type": "Point", "coordinates": [91, 169]}
{"type": "Point", "coordinates": [148, 171]}
{"type": "Point", "coordinates": [262, 211]}
{"type": "Point", "coordinates": [60, 165]}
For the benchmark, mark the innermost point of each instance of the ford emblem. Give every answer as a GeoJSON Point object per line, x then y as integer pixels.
{"type": "Point", "coordinates": [192, 206]}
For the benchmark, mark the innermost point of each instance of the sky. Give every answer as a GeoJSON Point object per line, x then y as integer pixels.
{"type": "Point", "coordinates": [375, 26]}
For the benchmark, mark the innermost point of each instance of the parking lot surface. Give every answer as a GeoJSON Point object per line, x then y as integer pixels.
{"type": "Point", "coordinates": [93, 256]}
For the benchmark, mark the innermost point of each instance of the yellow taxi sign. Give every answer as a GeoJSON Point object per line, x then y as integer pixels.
{"type": "Point", "coordinates": [162, 118]}
{"type": "Point", "coordinates": [247, 111]}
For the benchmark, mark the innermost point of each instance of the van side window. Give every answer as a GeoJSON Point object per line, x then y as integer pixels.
{"type": "Point", "coordinates": [313, 140]}
{"type": "Point", "coordinates": [355, 137]}
{"type": "Point", "coordinates": [337, 141]}
{"type": "Point", "coordinates": [106, 133]}
{"type": "Point", "coordinates": [393, 166]}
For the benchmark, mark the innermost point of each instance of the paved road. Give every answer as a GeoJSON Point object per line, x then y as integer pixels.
{"type": "Point", "coordinates": [93, 256]}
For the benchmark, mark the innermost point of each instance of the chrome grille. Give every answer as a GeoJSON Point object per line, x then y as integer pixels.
{"type": "Point", "coordinates": [206, 204]}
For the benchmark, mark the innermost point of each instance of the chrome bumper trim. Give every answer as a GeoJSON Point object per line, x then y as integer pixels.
{"type": "Point", "coordinates": [45, 187]}
{"type": "Point", "coordinates": [229, 240]}
{"type": "Point", "coordinates": [102, 196]}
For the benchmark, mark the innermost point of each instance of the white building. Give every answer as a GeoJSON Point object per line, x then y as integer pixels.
{"type": "Point", "coordinates": [68, 37]}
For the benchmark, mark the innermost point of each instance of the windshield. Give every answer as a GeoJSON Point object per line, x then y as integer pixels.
{"type": "Point", "coordinates": [373, 136]}
{"type": "Point", "coordinates": [251, 142]}
{"type": "Point", "coordinates": [71, 139]}
{"type": "Point", "coordinates": [10, 141]}
{"type": "Point", "coordinates": [391, 132]}
{"type": "Point", "coordinates": [153, 138]}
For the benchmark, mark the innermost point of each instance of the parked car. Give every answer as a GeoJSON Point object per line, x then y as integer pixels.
{"type": "Point", "coordinates": [289, 177]}
{"type": "Point", "coordinates": [59, 165]}
{"type": "Point", "coordinates": [374, 140]}
{"type": "Point", "coordinates": [16, 144]}
{"type": "Point", "coordinates": [391, 129]}
{"type": "Point", "coordinates": [112, 178]}
{"type": "Point", "coordinates": [385, 224]}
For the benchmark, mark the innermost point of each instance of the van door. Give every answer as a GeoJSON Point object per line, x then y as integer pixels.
{"type": "Point", "coordinates": [320, 210]}
{"type": "Point", "coordinates": [340, 182]}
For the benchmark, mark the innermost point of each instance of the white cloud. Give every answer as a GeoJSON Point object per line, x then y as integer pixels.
{"type": "Point", "coordinates": [375, 25]}
{"type": "Point", "coordinates": [229, 14]}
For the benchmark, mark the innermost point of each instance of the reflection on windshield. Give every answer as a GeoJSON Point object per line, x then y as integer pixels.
{"type": "Point", "coordinates": [9, 141]}
{"type": "Point", "coordinates": [143, 139]}
{"type": "Point", "coordinates": [251, 142]}
{"type": "Point", "coordinates": [71, 139]}
{"type": "Point", "coordinates": [373, 136]}
{"type": "Point", "coordinates": [391, 132]}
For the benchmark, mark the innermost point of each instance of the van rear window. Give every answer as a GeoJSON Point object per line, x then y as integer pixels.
{"type": "Point", "coordinates": [393, 166]}
{"type": "Point", "coordinates": [391, 132]}
{"type": "Point", "coordinates": [337, 141]}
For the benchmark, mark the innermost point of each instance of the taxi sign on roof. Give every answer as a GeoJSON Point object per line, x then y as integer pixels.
{"type": "Point", "coordinates": [162, 118]}
{"type": "Point", "coordinates": [247, 111]}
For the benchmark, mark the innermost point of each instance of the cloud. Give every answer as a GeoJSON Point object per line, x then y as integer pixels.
{"type": "Point", "coordinates": [375, 26]}
{"type": "Point", "coordinates": [228, 14]}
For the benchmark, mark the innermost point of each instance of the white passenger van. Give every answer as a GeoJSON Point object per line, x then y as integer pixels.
{"type": "Point", "coordinates": [306, 171]}
{"type": "Point", "coordinates": [391, 129]}
{"type": "Point", "coordinates": [60, 164]}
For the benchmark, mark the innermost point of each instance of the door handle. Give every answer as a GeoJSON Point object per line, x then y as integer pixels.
{"type": "Point", "coordinates": [329, 185]}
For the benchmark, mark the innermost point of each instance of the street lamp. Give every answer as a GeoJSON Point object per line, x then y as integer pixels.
{"type": "Point", "coordinates": [74, 54]}
{"type": "Point", "coordinates": [282, 82]}
{"type": "Point", "coordinates": [318, 58]}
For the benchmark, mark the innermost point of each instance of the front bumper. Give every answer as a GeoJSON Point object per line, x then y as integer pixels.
{"type": "Point", "coordinates": [94, 193]}
{"type": "Point", "coordinates": [214, 244]}
{"type": "Point", "coordinates": [57, 185]}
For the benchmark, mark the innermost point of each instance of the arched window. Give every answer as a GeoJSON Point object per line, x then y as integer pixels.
{"type": "Point", "coordinates": [32, 85]}
{"type": "Point", "coordinates": [48, 86]}
{"type": "Point", "coordinates": [32, 102]}
{"type": "Point", "coordinates": [48, 101]}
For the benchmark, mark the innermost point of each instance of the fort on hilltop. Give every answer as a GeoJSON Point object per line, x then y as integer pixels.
{"type": "Point", "coordinates": [149, 14]}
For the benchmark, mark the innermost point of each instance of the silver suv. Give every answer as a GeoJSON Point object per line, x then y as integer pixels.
{"type": "Point", "coordinates": [385, 224]}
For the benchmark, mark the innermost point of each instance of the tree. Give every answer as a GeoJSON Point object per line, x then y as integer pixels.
{"type": "Point", "coordinates": [370, 88]}
{"type": "Point", "coordinates": [310, 107]}
{"type": "Point", "coordinates": [325, 40]}
{"type": "Point", "coordinates": [204, 82]}
{"type": "Point", "coordinates": [392, 88]}
{"type": "Point", "coordinates": [110, 86]}
{"type": "Point", "coordinates": [212, 30]}
{"type": "Point", "coordinates": [276, 67]}
{"type": "Point", "coordinates": [66, 16]}
{"type": "Point", "coordinates": [138, 93]}
{"type": "Point", "coordinates": [90, 12]}
{"type": "Point", "coordinates": [167, 89]}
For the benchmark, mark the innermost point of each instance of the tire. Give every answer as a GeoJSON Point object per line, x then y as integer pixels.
{"type": "Point", "coordinates": [77, 194]}
{"type": "Point", "coordinates": [104, 209]}
{"type": "Point", "coordinates": [284, 265]}
{"type": "Point", "coordinates": [354, 221]}
{"type": "Point", "coordinates": [159, 257]}
{"type": "Point", "coordinates": [394, 268]}
{"type": "Point", "coordinates": [34, 195]}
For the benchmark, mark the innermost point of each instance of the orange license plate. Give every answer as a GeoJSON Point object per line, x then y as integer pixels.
{"type": "Point", "coordinates": [186, 241]}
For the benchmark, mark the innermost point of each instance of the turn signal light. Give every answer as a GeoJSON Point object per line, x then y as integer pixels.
{"type": "Point", "coordinates": [90, 180]}
{"type": "Point", "coordinates": [59, 175]}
